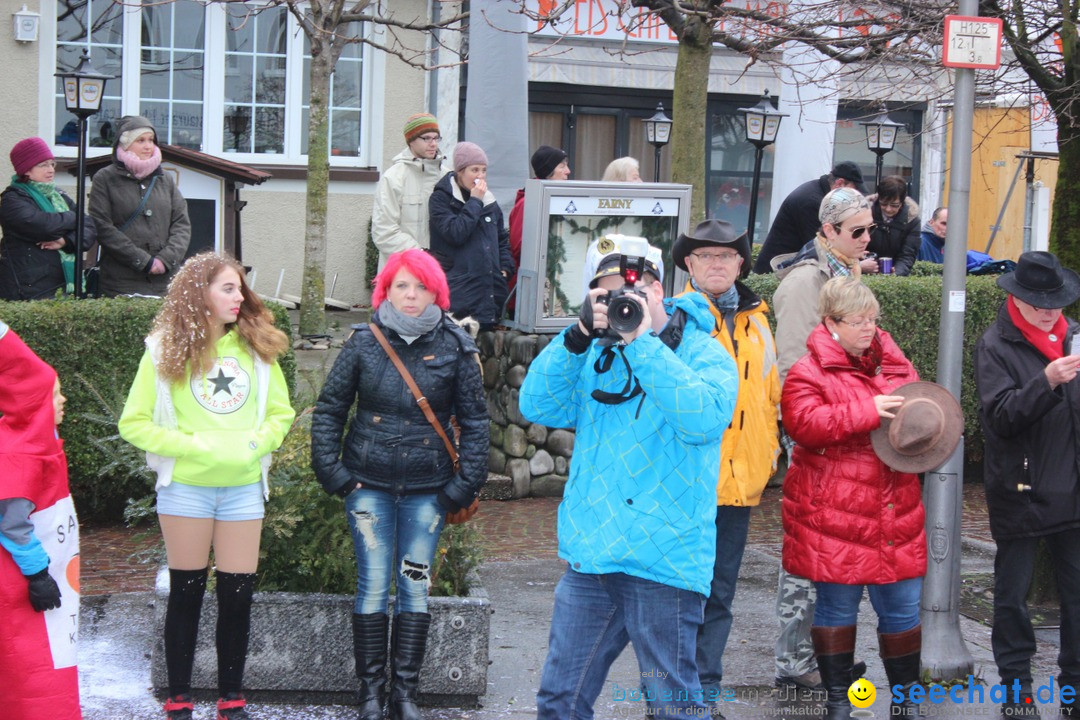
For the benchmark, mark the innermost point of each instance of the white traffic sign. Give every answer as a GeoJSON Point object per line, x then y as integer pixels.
{"type": "Point", "coordinates": [972, 42]}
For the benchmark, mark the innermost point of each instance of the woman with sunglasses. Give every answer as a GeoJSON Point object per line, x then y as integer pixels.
{"type": "Point", "coordinates": [896, 233]}
{"type": "Point", "coordinates": [850, 520]}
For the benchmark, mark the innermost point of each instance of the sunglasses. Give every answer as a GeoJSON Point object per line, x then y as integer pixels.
{"type": "Point", "coordinates": [857, 233]}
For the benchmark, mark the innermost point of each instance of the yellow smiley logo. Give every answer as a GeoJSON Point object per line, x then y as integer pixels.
{"type": "Point", "coordinates": [862, 693]}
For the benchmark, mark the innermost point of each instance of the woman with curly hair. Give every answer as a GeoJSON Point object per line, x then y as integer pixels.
{"type": "Point", "coordinates": [208, 405]}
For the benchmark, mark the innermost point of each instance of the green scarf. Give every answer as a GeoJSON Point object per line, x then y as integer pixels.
{"type": "Point", "coordinates": [47, 197]}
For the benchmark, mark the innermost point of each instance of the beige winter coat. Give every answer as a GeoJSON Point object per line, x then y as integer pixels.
{"type": "Point", "coordinates": [399, 220]}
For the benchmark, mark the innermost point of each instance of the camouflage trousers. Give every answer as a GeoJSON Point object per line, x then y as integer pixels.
{"type": "Point", "coordinates": [795, 600]}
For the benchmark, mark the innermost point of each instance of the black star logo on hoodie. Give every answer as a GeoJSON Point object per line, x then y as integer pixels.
{"type": "Point", "coordinates": [221, 382]}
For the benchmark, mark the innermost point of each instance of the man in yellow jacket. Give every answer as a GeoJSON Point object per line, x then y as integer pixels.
{"type": "Point", "coordinates": [716, 259]}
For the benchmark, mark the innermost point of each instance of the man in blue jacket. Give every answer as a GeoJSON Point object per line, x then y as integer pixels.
{"type": "Point", "coordinates": [650, 405]}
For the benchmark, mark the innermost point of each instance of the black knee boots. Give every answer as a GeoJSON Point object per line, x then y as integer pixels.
{"type": "Point", "coordinates": [835, 650]}
{"type": "Point", "coordinates": [234, 592]}
{"type": "Point", "coordinates": [901, 653]}
{"type": "Point", "coordinates": [369, 649]}
{"type": "Point", "coordinates": [410, 641]}
{"type": "Point", "coordinates": [186, 589]}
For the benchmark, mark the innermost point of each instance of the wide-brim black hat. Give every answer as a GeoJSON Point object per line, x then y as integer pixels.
{"type": "Point", "coordinates": [1040, 280]}
{"type": "Point", "coordinates": [925, 431]}
{"type": "Point", "coordinates": [712, 233]}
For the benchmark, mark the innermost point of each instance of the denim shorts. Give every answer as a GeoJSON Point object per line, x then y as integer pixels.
{"type": "Point", "coordinates": [237, 502]}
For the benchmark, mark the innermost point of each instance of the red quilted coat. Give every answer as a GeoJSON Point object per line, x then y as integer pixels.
{"type": "Point", "coordinates": [848, 518]}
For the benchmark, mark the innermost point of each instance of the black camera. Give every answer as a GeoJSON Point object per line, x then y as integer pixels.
{"type": "Point", "coordinates": [625, 313]}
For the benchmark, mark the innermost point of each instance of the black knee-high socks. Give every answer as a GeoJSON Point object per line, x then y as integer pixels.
{"type": "Point", "coordinates": [186, 588]}
{"type": "Point", "coordinates": [234, 591]}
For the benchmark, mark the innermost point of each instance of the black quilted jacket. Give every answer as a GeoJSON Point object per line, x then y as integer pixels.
{"type": "Point", "coordinates": [390, 445]}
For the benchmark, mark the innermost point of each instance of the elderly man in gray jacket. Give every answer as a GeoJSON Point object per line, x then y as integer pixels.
{"type": "Point", "coordinates": [846, 221]}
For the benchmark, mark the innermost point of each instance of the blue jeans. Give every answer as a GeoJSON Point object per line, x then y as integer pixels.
{"type": "Point", "coordinates": [593, 619]}
{"type": "Point", "coordinates": [732, 525]}
{"type": "Point", "coordinates": [395, 536]}
{"type": "Point", "coordinates": [896, 604]}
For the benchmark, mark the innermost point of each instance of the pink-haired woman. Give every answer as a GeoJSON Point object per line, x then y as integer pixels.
{"type": "Point", "coordinates": [394, 469]}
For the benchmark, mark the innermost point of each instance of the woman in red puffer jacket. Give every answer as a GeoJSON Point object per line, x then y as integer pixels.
{"type": "Point", "coordinates": [849, 520]}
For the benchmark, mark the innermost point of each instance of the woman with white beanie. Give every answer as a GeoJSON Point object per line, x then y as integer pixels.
{"type": "Point", "coordinates": [142, 219]}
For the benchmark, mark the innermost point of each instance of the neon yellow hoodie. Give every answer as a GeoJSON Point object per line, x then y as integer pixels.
{"type": "Point", "coordinates": [217, 440]}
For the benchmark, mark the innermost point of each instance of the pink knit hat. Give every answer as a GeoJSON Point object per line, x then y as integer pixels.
{"type": "Point", "coordinates": [28, 153]}
{"type": "Point", "coordinates": [466, 154]}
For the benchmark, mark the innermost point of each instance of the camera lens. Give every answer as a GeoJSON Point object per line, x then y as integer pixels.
{"type": "Point", "coordinates": [624, 314]}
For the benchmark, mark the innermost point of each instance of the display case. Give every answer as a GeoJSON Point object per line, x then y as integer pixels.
{"type": "Point", "coordinates": [561, 218]}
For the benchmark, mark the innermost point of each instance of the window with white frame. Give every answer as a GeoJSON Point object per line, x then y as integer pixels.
{"type": "Point", "coordinates": [218, 77]}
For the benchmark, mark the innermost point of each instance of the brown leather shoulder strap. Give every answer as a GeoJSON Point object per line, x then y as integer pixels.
{"type": "Point", "coordinates": [420, 399]}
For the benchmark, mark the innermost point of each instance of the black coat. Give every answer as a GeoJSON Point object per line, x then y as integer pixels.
{"type": "Point", "coordinates": [390, 445]}
{"type": "Point", "coordinates": [796, 222]}
{"type": "Point", "coordinates": [899, 239]}
{"type": "Point", "coordinates": [471, 242]}
{"type": "Point", "coordinates": [1032, 435]}
{"type": "Point", "coordinates": [26, 271]}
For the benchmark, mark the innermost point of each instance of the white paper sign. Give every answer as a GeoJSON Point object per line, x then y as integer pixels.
{"type": "Point", "coordinates": [957, 300]}
{"type": "Point", "coordinates": [58, 530]}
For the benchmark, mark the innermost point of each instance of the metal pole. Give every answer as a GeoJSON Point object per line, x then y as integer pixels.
{"type": "Point", "coordinates": [944, 653]}
{"type": "Point", "coordinates": [656, 165]}
{"type": "Point", "coordinates": [1029, 204]}
{"type": "Point", "coordinates": [80, 208]}
{"type": "Point", "coordinates": [877, 168]}
{"type": "Point", "coordinates": [759, 151]}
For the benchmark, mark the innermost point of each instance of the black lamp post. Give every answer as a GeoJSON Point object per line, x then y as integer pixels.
{"type": "Point", "coordinates": [658, 132]}
{"type": "Point", "coordinates": [84, 87]}
{"type": "Point", "coordinates": [238, 124]}
{"type": "Point", "coordinates": [880, 138]}
{"type": "Point", "coordinates": [762, 124]}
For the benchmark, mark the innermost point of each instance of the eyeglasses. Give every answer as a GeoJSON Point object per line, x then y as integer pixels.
{"type": "Point", "coordinates": [872, 322]}
{"type": "Point", "coordinates": [710, 258]}
{"type": "Point", "coordinates": [894, 205]}
{"type": "Point", "coordinates": [430, 138]}
{"type": "Point", "coordinates": [857, 232]}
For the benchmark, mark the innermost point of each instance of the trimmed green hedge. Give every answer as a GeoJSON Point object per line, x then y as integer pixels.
{"type": "Point", "coordinates": [911, 313]}
{"type": "Point", "coordinates": [95, 346]}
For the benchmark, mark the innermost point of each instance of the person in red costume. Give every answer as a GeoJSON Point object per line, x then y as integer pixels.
{"type": "Point", "coordinates": [39, 534]}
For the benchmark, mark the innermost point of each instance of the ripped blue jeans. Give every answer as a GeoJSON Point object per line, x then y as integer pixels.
{"type": "Point", "coordinates": [394, 537]}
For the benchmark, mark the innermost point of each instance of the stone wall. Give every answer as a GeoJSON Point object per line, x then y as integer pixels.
{"type": "Point", "coordinates": [535, 457]}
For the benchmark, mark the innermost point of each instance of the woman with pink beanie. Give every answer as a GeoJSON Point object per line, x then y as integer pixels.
{"type": "Point", "coordinates": [142, 218]}
{"type": "Point", "coordinates": [469, 238]}
{"type": "Point", "coordinates": [38, 223]}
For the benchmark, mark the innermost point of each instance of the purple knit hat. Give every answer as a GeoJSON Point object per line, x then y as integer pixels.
{"type": "Point", "coordinates": [28, 153]}
{"type": "Point", "coordinates": [466, 154]}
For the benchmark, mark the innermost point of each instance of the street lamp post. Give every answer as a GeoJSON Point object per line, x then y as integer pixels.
{"type": "Point", "coordinates": [762, 124]}
{"type": "Point", "coordinates": [84, 87]}
{"type": "Point", "coordinates": [881, 139]}
{"type": "Point", "coordinates": [658, 132]}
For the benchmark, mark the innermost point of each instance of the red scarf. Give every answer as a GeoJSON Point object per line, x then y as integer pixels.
{"type": "Point", "coordinates": [1040, 339]}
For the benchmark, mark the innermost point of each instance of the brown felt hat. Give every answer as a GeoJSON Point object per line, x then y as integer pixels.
{"type": "Point", "coordinates": [924, 432]}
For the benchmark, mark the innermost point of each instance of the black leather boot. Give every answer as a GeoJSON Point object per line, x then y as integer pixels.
{"type": "Point", "coordinates": [901, 653]}
{"type": "Point", "coordinates": [410, 642]}
{"type": "Point", "coordinates": [835, 650]}
{"type": "Point", "coordinates": [369, 648]}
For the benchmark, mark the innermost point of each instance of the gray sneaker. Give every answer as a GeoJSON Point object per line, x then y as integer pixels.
{"type": "Point", "coordinates": [807, 681]}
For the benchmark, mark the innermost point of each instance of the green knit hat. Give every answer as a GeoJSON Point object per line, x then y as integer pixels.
{"type": "Point", "coordinates": [419, 124]}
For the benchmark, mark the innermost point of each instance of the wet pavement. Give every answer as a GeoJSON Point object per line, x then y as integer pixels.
{"type": "Point", "coordinates": [520, 575]}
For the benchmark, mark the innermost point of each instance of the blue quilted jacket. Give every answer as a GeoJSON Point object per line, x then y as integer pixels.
{"type": "Point", "coordinates": [641, 498]}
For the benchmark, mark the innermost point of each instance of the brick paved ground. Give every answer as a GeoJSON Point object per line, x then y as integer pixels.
{"type": "Point", "coordinates": [516, 529]}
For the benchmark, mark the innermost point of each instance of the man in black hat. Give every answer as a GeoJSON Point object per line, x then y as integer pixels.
{"type": "Point", "coordinates": [716, 259]}
{"type": "Point", "coordinates": [548, 163]}
{"type": "Point", "coordinates": [796, 221]}
{"type": "Point", "coordinates": [1029, 407]}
